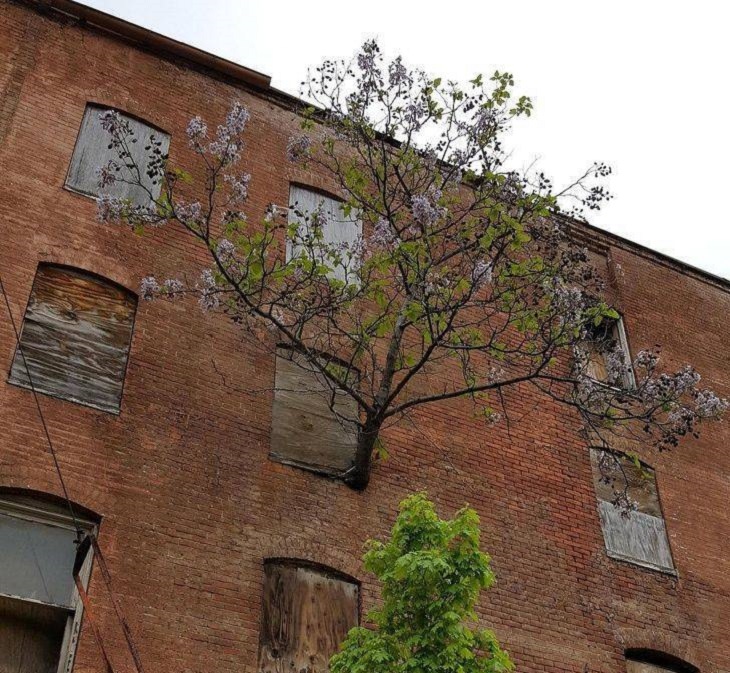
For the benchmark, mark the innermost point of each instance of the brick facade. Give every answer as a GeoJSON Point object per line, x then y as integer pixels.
{"type": "Point", "coordinates": [190, 503]}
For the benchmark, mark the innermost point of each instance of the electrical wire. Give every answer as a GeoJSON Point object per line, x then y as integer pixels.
{"type": "Point", "coordinates": [80, 533]}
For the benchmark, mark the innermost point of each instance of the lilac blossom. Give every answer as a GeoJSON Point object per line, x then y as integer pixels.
{"type": "Point", "coordinates": [149, 288]}
{"type": "Point", "coordinates": [239, 186]}
{"type": "Point", "coordinates": [172, 288]}
{"type": "Point", "coordinates": [197, 131]}
{"type": "Point", "coordinates": [110, 208]}
{"type": "Point", "coordinates": [481, 275]}
{"type": "Point", "coordinates": [207, 287]}
{"type": "Point", "coordinates": [298, 148]}
{"type": "Point", "coordinates": [225, 250]}
{"type": "Point", "coordinates": [189, 213]}
{"type": "Point", "coordinates": [709, 405]}
{"type": "Point", "coordinates": [227, 146]}
{"type": "Point", "coordinates": [425, 209]}
{"type": "Point", "coordinates": [383, 235]}
{"type": "Point", "coordinates": [398, 73]}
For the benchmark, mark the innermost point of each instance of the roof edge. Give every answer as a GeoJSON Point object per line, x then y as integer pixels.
{"type": "Point", "coordinates": [600, 236]}
{"type": "Point", "coordinates": [153, 40]}
{"type": "Point", "coordinates": [150, 39]}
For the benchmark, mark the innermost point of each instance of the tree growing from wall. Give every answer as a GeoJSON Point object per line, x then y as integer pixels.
{"type": "Point", "coordinates": [462, 266]}
{"type": "Point", "coordinates": [431, 572]}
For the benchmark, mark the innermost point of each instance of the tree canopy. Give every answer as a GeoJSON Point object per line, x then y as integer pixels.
{"type": "Point", "coordinates": [432, 573]}
{"type": "Point", "coordinates": [464, 280]}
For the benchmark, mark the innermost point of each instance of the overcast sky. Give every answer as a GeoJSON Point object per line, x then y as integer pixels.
{"type": "Point", "coordinates": [642, 85]}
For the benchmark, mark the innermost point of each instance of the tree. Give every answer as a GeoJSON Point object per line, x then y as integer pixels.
{"type": "Point", "coordinates": [462, 266]}
{"type": "Point", "coordinates": [431, 572]}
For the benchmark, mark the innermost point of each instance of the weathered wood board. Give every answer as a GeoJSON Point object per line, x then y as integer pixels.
{"type": "Point", "coordinates": [304, 430]}
{"type": "Point", "coordinates": [641, 536]}
{"type": "Point", "coordinates": [306, 615]}
{"type": "Point", "coordinates": [76, 337]}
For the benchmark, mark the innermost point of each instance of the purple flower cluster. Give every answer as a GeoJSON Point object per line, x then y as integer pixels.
{"type": "Point", "coordinates": [398, 74]}
{"type": "Point", "coordinates": [383, 235]}
{"type": "Point", "coordinates": [189, 213]}
{"type": "Point", "coordinates": [239, 186]}
{"type": "Point", "coordinates": [227, 144]}
{"type": "Point", "coordinates": [298, 148]}
{"type": "Point", "coordinates": [172, 288]}
{"type": "Point", "coordinates": [425, 209]}
{"type": "Point", "coordinates": [110, 209]}
{"type": "Point", "coordinates": [481, 275]}
{"type": "Point", "coordinates": [208, 290]}
{"type": "Point", "coordinates": [149, 288]}
{"type": "Point", "coordinates": [197, 131]}
{"type": "Point", "coordinates": [226, 251]}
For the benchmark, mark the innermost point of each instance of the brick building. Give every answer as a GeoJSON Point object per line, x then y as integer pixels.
{"type": "Point", "coordinates": [208, 540]}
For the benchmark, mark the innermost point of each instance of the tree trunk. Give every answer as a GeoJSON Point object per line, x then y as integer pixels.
{"type": "Point", "coordinates": [359, 476]}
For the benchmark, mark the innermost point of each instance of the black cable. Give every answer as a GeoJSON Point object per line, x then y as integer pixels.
{"type": "Point", "coordinates": [79, 530]}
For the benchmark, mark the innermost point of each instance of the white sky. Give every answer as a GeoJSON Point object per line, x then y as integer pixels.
{"type": "Point", "coordinates": [640, 84]}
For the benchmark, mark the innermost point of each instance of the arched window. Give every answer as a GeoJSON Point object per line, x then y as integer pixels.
{"type": "Point", "coordinates": [306, 613]}
{"type": "Point", "coordinates": [638, 535]}
{"type": "Point", "coordinates": [40, 610]}
{"type": "Point", "coordinates": [92, 152]}
{"type": "Point", "coordinates": [75, 337]}
{"type": "Point", "coordinates": [642, 660]}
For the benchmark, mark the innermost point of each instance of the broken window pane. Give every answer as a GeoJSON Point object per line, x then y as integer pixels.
{"type": "Point", "coordinates": [92, 152]}
{"type": "Point", "coordinates": [305, 431]}
{"type": "Point", "coordinates": [338, 228]}
{"type": "Point", "coordinates": [40, 611]}
{"type": "Point", "coordinates": [31, 636]}
{"type": "Point", "coordinates": [639, 534]}
{"type": "Point", "coordinates": [75, 337]}
{"type": "Point", "coordinates": [307, 612]}
{"type": "Point", "coordinates": [608, 336]}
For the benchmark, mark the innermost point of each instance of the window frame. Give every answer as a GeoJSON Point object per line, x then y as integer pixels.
{"type": "Point", "coordinates": [669, 662]}
{"type": "Point", "coordinates": [325, 571]}
{"type": "Point", "coordinates": [31, 507]}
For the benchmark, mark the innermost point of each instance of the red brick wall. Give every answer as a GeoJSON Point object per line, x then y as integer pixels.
{"type": "Point", "coordinates": [191, 504]}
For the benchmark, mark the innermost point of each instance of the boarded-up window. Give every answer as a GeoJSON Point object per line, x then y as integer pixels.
{"type": "Point", "coordinates": [40, 611]}
{"type": "Point", "coordinates": [338, 228]}
{"type": "Point", "coordinates": [92, 152]}
{"type": "Point", "coordinates": [75, 337]}
{"type": "Point", "coordinates": [306, 614]}
{"type": "Point", "coordinates": [312, 426]}
{"type": "Point", "coordinates": [640, 535]}
{"type": "Point", "coordinates": [603, 339]}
